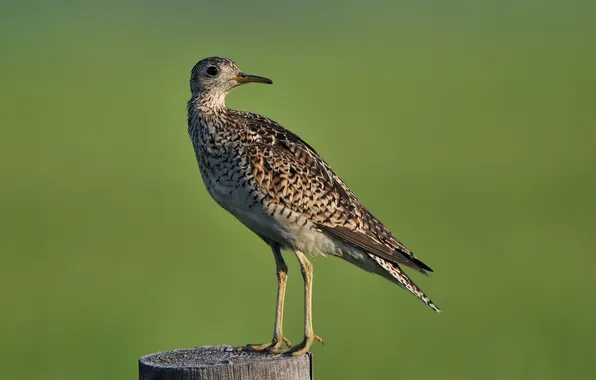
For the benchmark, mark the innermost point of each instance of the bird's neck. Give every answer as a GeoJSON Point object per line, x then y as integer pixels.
{"type": "Point", "coordinates": [210, 103]}
{"type": "Point", "coordinates": [208, 115]}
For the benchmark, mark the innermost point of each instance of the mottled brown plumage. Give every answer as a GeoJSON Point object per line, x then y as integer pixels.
{"type": "Point", "coordinates": [280, 188]}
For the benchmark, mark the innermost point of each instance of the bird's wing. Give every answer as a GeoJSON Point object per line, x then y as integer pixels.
{"type": "Point", "coordinates": [290, 171]}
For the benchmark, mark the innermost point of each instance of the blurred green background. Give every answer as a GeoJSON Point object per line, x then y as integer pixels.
{"type": "Point", "coordinates": [467, 127]}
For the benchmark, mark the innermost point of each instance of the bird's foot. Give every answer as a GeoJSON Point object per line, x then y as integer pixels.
{"type": "Point", "coordinates": [275, 344]}
{"type": "Point", "coordinates": [299, 349]}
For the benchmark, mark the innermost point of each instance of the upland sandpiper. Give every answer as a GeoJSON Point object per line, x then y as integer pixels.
{"type": "Point", "coordinates": [281, 189]}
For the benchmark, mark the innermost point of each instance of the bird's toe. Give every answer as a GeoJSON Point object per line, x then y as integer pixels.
{"type": "Point", "coordinates": [275, 346]}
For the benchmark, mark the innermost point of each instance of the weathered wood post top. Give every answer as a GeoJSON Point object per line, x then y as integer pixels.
{"type": "Point", "coordinates": [223, 363]}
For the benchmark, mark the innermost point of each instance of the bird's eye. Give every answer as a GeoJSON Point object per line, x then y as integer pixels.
{"type": "Point", "coordinates": [212, 71]}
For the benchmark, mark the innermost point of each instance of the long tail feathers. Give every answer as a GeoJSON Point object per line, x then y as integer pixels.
{"type": "Point", "coordinates": [401, 278]}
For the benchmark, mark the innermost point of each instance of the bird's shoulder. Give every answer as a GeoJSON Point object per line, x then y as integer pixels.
{"type": "Point", "coordinates": [281, 151]}
{"type": "Point", "coordinates": [290, 171]}
{"type": "Point", "coordinates": [264, 130]}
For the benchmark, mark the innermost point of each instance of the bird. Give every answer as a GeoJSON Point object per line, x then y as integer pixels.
{"type": "Point", "coordinates": [279, 187]}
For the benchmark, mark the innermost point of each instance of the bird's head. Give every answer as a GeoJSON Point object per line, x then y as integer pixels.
{"type": "Point", "coordinates": [216, 77]}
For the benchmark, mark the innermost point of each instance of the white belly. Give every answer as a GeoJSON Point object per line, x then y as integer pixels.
{"type": "Point", "coordinates": [290, 230]}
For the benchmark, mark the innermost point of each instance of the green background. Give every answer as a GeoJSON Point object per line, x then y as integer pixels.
{"type": "Point", "coordinates": [467, 127]}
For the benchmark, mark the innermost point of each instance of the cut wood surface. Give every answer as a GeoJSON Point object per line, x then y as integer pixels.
{"type": "Point", "coordinates": [223, 363]}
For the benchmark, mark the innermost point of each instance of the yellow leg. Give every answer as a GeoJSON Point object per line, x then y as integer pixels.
{"type": "Point", "coordinates": [282, 278]}
{"type": "Point", "coordinates": [309, 334]}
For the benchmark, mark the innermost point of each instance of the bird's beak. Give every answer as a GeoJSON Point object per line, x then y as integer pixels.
{"type": "Point", "coordinates": [246, 78]}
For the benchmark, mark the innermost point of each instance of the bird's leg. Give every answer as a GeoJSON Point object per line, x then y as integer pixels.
{"type": "Point", "coordinates": [309, 334]}
{"type": "Point", "coordinates": [282, 278]}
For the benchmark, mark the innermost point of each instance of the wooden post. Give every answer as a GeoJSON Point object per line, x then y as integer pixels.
{"type": "Point", "coordinates": [224, 363]}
